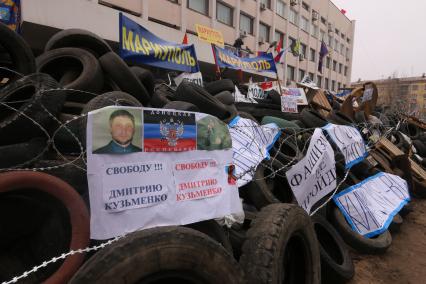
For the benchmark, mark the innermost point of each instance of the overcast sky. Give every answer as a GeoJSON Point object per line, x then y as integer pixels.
{"type": "Point", "coordinates": [390, 36]}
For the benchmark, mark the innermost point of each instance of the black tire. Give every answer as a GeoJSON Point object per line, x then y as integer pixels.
{"type": "Point", "coordinates": [212, 229]}
{"type": "Point", "coordinates": [145, 77]}
{"type": "Point", "coordinates": [395, 225]}
{"type": "Point", "coordinates": [420, 147]}
{"type": "Point", "coordinates": [375, 245]}
{"type": "Point", "coordinates": [336, 262]}
{"type": "Point", "coordinates": [72, 173]}
{"type": "Point", "coordinates": [19, 53]}
{"type": "Point", "coordinates": [22, 154]}
{"type": "Point", "coordinates": [78, 38]}
{"type": "Point", "coordinates": [123, 76]}
{"type": "Point", "coordinates": [275, 97]}
{"type": "Point", "coordinates": [27, 96]}
{"type": "Point", "coordinates": [360, 117]}
{"type": "Point", "coordinates": [159, 99]}
{"type": "Point", "coordinates": [192, 93]}
{"type": "Point", "coordinates": [166, 255]}
{"type": "Point", "coordinates": [108, 99]}
{"type": "Point", "coordinates": [312, 118]}
{"type": "Point", "coordinates": [339, 118]}
{"type": "Point", "coordinates": [281, 247]}
{"type": "Point", "coordinates": [218, 86]}
{"type": "Point", "coordinates": [225, 97]}
{"type": "Point", "coordinates": [58, 62]}
{"type": "Point", "coordinates": [178, 105]}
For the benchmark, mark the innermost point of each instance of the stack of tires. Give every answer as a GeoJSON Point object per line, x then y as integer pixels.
{"type": "Point", "coordinates": [43, 181]}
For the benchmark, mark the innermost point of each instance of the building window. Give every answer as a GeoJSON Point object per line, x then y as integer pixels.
{"type": "Point", "coordinates": [347, 52]}
{"type": "Point", "coordinates": [264, 32]}
{"type": "Point", "coordinates": [334, 65]}
{"type": "Point", "coordinates": [340, 68]}
{"type": "Point", "coordinates": [224, 14]}
{"type": "Point", "coordinates": [346, 70]}
{"type": "Point", "coordinates": [414, 87]}
{"type": "Point", "coordinates": [305, 6]}
{"type": "Point", "coordinates": [326, 84]}
{"type": "Point", "coordinates": [348, 40]}
{"type": "Point", "coordinates": [303, 49]}
{"type": "Point", "coordinates": [338, 86]}
{"type": "Point", "coordinates": [333, 85]}
{"type": "Point", "coordinates": [319, 81]}
{"type": "Point", "coordinates": [312, 55]}
{"type": "Point", "coordinates": [337, 32]}
{"type": "Point", "coordinates": [322, 35]}
{"type": "Point", "coordinates": [330, 42]}
{"type": "Point", "coordinates": [304, 24]}
{"type": "Point", "coordinates": [323, 20]}
{"type": "Point", "coordinates": [342, 49]}
{"type": "Point", "coordinates": [267, 3]}
{"type": "Point", "coordinates": [301, 74]}
{"type": "Point", "coordinates": [293, 16]}
{"type": "Point", "coordinates": [342, 35]}
{"type": "Point", "coordinates": [336, 45]}
{"type": "Point", "coordinates": [246, 24]}
{"type": "Point", "coordinates": [279, 37]}
{"type": "Point", "coordinates": [314, 31]}
{"type": "Point", "coordinates": [312, 76]}
{"type": "Point", "coordinates": [201, 6]}
{"type": "Point", "coordinates": [290, 72]}
{"type": "Point", "coordinates": [328, 62]}
{"type": "Point", "coordinates": [281, 8]}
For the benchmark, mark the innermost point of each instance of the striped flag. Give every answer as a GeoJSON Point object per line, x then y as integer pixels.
{"type": "Point", "coordinates": [323, 52]}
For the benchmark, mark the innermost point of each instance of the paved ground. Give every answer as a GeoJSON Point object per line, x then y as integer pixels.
{"type": "Point", "coordinates": [405, 261]}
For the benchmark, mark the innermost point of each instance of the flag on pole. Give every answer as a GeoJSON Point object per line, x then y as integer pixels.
{"type": "Point", "coordinates": [278, 47]}
{"type": "Point", "coordinates": [296, 48]}
{"type": "Point", "coordinates": [261, 53]}
{"type": "Point", "coordinates": [343, 11]}
{"type": "Point", "coordinates": [323, 52]}
{"type": "Point", "coordinates": [277, 58]}
{"type": "Point", "coordinates": [185, 39]}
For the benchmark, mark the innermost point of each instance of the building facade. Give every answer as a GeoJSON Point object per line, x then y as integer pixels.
{"type": "Point", "coordinates": [407, 95]}
{"type": "Point", "coordinates": [257, 22]}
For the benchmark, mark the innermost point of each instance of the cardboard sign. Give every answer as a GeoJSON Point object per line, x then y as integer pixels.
{"type": "Point", "coordinates": [254, 91]}
{"type": "Point", "coordinates": [250, 143]}
{"type": "Point", "coordinates": [157, 167]}
{"type": "Point", "coordinates": [288, 104]}
{"type": "Point", "coordinates": [349, 141]}
{"type": "Point", "coordinates": [137, 44]}
{"type": "Point", "coordinates": [196, 78]}
{"type": "Point", "coordinates": [297, 93]}
{"type": "Point", "coordinates": [315, 175]}
{"type": "Point", "coordinates": [210, 35]}
{"type": "Point", "coordinates": [370, 205]}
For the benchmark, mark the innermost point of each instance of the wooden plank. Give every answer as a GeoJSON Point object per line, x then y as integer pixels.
{"type": "Point", "coordinates": [416, 169]}
{"type": "Point", "coordinates": [389, 147]}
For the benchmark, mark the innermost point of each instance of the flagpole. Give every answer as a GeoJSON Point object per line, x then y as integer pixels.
{"type": "Point", "coordinates": [218, 73]}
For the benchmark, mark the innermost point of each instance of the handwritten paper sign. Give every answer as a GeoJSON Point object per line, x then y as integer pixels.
{"type": "Point", "coordinates": [370, 205]}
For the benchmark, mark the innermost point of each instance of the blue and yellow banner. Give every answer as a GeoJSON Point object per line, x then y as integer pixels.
{"type": "Point", "coordinates": [261, 63]}
{"type": "Point", "coordinates": [137, 44]}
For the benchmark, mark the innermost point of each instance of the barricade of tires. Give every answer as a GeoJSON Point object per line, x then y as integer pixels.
{"type": "Point", "coordinates": [44, 191]}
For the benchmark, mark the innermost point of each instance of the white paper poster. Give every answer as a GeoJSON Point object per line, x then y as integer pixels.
{"type": "Point", "coordinates": [156, 167]}
{"type": "Point", "coordinates": [250, 143]}
{"type": "Point", "coordinates": [240, 98]}
{"type": "Point", "coordinates": [368, 94]}
{"type": "Point", "coordinates": [315, 175]}
{"type": "Point", "coordinates": [288, 104]}
{"type": "Point", "coordinates": [370, 205]}
{"type": "Point", "coordinates": [196, 78]}
{"type": "Point", "coordinates": [254, 91]}
{"type": "Point", "coordinates": [349, 141]}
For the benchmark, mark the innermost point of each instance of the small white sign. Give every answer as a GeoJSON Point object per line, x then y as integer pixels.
{"type": "Point", "coordinates": [315, 175]}
{"type": "Point", "coordinates": [288, 104]}
{"type": "Point", "coordinates": [349, 141]}
{"type": "Point", "coordinates": [250, 143]}
{"type": "Point", "coordinates": [370, 205]}
{"type": "Point", "coordinates": [240, 98]}
{"type": "Point", "coordinates": [196, 78]}
{"type": "Point", "coordinates": [297, 93]}
{"type": "Point", "coordinates": [368, 94]}
{"type": "Point", "coordinates": [254, 91]}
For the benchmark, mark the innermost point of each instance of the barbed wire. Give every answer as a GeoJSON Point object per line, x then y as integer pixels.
{"type": "Point", "coordinates": [299, 138]}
